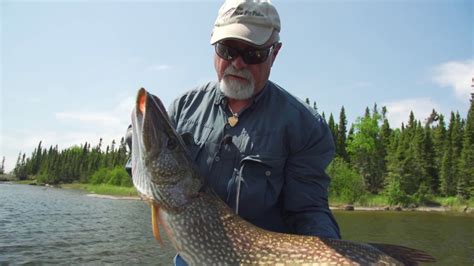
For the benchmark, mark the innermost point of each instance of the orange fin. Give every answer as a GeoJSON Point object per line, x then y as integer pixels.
{"type": "Point", "coordinates": [155, 221]}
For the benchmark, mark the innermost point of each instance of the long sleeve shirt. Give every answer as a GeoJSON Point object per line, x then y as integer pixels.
{"type": "Point", "coordinates": [270, 166]}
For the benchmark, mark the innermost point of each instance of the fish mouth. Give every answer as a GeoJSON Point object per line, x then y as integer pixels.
{"type": "Point", "coordinates": [155, 121]}
{"type": "Point", "coordinates": [156, 147]}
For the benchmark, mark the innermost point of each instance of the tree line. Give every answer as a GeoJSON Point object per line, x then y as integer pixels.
{"type": "Point", "coordinates": [82, 163]}
{"type": "Point", "coordinates": [409, 164]}
{"type": "Point", "coordinates": [434, 157]}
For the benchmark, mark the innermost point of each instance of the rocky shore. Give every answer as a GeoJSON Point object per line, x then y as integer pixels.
{"type": "Point", "coordinates": [465, 209]}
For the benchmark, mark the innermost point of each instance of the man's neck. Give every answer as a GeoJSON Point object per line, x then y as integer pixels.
{"type": "Point", "coordinates": [237, 105]}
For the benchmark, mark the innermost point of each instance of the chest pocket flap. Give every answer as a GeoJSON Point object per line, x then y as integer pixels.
{"type": "Point", "coordinates": [263, 176]}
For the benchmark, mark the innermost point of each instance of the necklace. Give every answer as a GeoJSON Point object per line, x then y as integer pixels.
{"type": "Point", "coordinates": [234, 119]}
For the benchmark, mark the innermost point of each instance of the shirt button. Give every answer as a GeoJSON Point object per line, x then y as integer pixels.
{"type": "Point", "coordinates": [268, 173]}
{"type": "Point", "coordinates": [217, 158]}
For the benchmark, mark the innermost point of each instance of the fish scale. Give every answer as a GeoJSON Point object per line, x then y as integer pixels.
{"type": "Point", "coordinates": [205, 231]}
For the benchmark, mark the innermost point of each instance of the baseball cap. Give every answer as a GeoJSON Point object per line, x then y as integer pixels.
{"type": "Point", "coordinates": [252, 21]}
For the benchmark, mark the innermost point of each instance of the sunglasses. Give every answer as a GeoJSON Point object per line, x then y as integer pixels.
{"type": "Point", "coordinates": [249, 56]}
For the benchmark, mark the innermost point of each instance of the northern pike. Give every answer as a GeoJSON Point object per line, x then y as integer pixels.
{"type": "Point", "coordinates": [204, 230]}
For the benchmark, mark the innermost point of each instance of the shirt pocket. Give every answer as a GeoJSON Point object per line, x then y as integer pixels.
{"type": "Point", "coordinates": [263, 177]}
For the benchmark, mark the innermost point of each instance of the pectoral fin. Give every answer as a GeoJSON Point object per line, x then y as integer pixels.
{"type": "Point", "coordinates": [155, 220]}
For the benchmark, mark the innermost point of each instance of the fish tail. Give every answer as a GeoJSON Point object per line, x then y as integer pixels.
{"type": "Point", "coordinates": [406, 255]}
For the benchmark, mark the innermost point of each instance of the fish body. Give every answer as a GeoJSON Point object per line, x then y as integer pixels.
{"type": "Point", "coordinates": [204, 230]}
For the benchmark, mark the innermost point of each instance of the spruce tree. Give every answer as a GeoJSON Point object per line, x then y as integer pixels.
{"type": "Point", "coordinates": [448, 180]}
{"type": "Point", "coordinates": [465, 182]}
{"type": "Point", "coordinates": [439, 145]}
{"type": "Point", "coordinates": [332, 128]}
{"type": "Point", "coordinates": [2, 167]}
{"type": "Point", "coordinates": [385, 140]}
{"type": "Point", "coordinates": [429, 157]}
{"type": "Point", "coordinates": [341, 136]}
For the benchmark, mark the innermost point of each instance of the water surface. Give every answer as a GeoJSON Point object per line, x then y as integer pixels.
{"type": "Point", "coordinates": [49, 225]}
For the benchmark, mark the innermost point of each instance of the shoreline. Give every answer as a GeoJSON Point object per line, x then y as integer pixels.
{"type": "Point", "coordinates": [347, 208]}
{"type": "Point", "coordinates": [101, 196]}
{"type": "Point", "coordinates": [466, 210]}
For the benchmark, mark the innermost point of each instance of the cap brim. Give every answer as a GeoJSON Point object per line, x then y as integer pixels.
{"type": "Point", "coordinates": [256, 35]}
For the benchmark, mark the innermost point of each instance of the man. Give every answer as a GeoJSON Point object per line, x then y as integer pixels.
{"type": "Point", "coordinates": [262, 150]}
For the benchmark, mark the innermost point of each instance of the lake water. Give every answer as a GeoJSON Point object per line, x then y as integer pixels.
{"type": "Point", "coordinates": [40, 225]}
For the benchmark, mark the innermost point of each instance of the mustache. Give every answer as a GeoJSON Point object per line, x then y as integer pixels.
{"type": "Point", "coordinates": [244, 73]}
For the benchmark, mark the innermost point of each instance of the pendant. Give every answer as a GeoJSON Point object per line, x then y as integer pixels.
{"type": "Point", "coordinates": [233, 120]}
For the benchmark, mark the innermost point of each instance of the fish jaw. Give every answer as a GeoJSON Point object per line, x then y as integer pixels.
{"type": "Point", "coordinates": [161, 169]}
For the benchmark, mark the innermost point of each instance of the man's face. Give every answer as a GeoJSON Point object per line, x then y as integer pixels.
{"type": "Point", "coordinates": [238, 79]}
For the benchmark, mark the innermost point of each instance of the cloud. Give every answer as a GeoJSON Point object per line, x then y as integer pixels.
{"type": "Point", "coordinates": [89, 117]}
{"type": "Point", "coordinates": [115, 117]}
{"type": "Point", "coordinates": [457, 75]}
{"type": "Point", "coordinates": [398, 111]}
{"type": "Point", "coordinates": [87, 127]}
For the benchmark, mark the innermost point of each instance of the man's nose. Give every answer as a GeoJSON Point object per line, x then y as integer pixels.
{"type": "Point", "coordinates": [239, 63]}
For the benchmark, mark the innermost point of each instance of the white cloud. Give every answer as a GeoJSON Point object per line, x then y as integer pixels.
{"type": "Point", "coordinates": [89, 127]}
{"type": "Point", "coordinates": [399, 111]}
{"type": "Point", "coordinates": [89, 117]}
{"type": "Point", "coordinates": [105, 119]}
{"type": "Point", "coordinates": [457, 75]}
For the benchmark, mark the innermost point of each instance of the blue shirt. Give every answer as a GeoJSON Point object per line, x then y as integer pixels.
{"type": "Point", "coordinates": [271, 164]}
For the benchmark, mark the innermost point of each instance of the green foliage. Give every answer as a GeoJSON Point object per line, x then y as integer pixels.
{"type": "Point", "coordinates": [119, 177]}
{"type": "Point", "coordinates": [116, 176]}
{"type": "Point", "coordinates": [341, 136]}
{"type": "Point", "coordinates": [99, 176]}
{"type": "Point", "coordinates": [346, 183]}
{"type": "Point", "coordinates": [364, 150]}
{"type": "Point", "coordinates": [75, 164]}
{"type": "Point", "coordinates": [465, 184]}
{"type": "Point", "coordinates": [396, 195]}
{"type": "Point", "coordinates": [2, 166]}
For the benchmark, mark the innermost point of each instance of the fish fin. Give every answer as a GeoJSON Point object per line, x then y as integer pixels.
{"type": "Point", "coordinates": [155, 221]}
{"type": "Point", "coordinates": [406, 255]}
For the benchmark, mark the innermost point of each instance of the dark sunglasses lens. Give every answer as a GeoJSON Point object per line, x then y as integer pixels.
{"type": "Point", "coordinates": [225, 52]}
{"type": "Point", "coordinates": [249, 56]}
{"type": "Point", "coordinates": [255, 56]}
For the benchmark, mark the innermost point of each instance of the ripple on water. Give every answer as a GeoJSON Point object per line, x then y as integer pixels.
{"type": "Point", "coordinates": [44, 226]}
{"type": "Point", "coordinates": [47, 226]}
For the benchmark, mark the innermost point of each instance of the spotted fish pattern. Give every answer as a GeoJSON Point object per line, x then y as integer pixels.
{"type": "Point", "coordinates": [205, 231]}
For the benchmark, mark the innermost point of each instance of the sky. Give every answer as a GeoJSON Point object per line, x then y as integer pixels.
{"type": "Point", "coordinates": [70, 69]}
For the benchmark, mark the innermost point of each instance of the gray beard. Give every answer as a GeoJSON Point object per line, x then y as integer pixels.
{"type": "Point", "coordinates": [235, 89]}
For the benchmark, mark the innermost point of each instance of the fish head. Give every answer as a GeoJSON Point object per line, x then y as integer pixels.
{"type": "Point", "coordinates": [159, 158]}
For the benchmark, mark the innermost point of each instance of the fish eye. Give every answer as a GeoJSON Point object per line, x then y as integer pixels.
{"type": "Point", "coordinates": [172, 144]}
